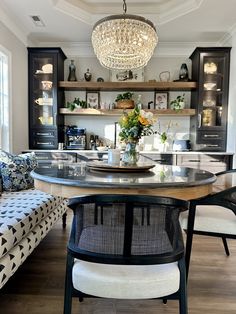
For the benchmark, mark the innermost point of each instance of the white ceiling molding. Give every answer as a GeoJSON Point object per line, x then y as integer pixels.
{"type": "Point", "coordinates": [178, 49]}
{"type": "Point", "coordinates": [163, 50]}
{"type": "Point", "coordinates": [178, 11]}
{"type": "Point", "coordinates": [227, 38]}
{"type": "Point", "coordinates": [76, 12]}
{"type": "Point", "coordinates": [9, 22]}
{"type": "Point", "coordinates": [89, 13]}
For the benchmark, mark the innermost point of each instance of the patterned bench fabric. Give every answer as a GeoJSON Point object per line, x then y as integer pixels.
{"type": "Point", "coordinates": [20, 212]}
{"type": "Point", "coordinates": [16, 256]}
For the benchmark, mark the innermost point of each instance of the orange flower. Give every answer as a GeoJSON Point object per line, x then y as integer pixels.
{"type": "Point", "coordinates": [143, 120]}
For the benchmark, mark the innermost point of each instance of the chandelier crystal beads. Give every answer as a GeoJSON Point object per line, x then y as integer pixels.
{"type": "Point", "coordinates": [124, 42]}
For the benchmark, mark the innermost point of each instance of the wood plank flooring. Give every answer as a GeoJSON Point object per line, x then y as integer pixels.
{"type": "Point", "coordinates": [38, 286]}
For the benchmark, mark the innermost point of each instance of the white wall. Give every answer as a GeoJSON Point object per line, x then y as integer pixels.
{"type": "Point", "coordinates": [19, 88]}
{"type": "Point", "coordinates": [231, 143]}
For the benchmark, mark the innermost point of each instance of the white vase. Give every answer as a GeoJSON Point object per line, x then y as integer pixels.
{"type": "Point", "coordinates": [178, 106]}
{"type": "Point", "coordinates": [182, 104]}
{"type": "Point", "coordinates": [163, 147]}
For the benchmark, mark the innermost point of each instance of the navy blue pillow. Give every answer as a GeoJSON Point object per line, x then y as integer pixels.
{"type": "Point", "coordinates": [15, 171]}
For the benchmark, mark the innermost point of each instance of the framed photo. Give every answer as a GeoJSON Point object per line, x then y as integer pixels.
{"type": "Point", "coordinates": [93, 99]}
{"type": "Point", "coordinates": [127, 75]}
{"type": "Point", "coordinates": [161, 100]}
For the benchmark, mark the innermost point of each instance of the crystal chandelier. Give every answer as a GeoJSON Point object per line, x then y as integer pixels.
{"type": "Point", "coordinates": [124, 41]}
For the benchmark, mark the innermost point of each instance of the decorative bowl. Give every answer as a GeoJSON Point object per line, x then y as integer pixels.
{"type": "Point", "coordinates": [210, 86]}
{"type": "Point", "coordinates": [210, 68]}
{"type": "Point", "coordinates": [47, 85]}
{"type": "Point", "coordinates": [47, 68]}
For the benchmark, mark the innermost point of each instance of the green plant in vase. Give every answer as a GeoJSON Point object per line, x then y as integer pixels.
{"type": "Point", "coordinates": [178, 103]}
{"type": "Point", "coordinates": [124, 101]}
{"type": "Point", "coordinates": [163, 135]}
{"type": "Point", "coordinates": [77, 103]}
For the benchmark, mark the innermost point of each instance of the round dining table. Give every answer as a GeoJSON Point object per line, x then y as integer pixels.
{"type": "Point", "coordinates": [74, 179]}
{"type": "Point", "coordinates": [86, 178]}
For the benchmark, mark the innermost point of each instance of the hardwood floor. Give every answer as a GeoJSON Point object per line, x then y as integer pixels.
{"type": "Point", "coordinates": [38, 286]}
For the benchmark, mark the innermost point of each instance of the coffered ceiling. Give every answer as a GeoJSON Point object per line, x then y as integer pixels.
{"type": "Point", "coordinates": [71, 21]}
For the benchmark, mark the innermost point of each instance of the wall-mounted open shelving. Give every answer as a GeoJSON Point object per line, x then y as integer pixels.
{"type": "Point", "coordinates": [118, 112]}
{"type": "Point", "coordinates": [135, 86]}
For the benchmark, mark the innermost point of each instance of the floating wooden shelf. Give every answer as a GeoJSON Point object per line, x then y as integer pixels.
{"type": "Point", "coordinates": [118, 112]}
{"type": "Point", "coordinates": [141, 86]}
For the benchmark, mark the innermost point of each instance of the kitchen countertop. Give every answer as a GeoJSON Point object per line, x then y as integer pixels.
{"type": "Point", "coordinates": [142, 152]}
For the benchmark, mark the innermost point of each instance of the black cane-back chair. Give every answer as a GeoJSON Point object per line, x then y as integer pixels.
{"type": "Point", "coordinates": [132, 250]}
{"type": "Point", "coordinates": [213, 215]}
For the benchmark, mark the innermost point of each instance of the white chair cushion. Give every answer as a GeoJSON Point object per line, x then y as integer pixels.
{"type": "Point", "coordinates": [126, 281]}
{"type": "Point", "coordinates": [211, 219]}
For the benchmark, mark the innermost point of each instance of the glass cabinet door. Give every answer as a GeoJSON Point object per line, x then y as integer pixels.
{"type": "Point", "coordinates": [43, 102]}
{"type": "Point", "coordinates": [210, 68]}
{"type": "Point", "coordinates": [46, 69]}
{"type": "Point", "coordinates": [212, 91]}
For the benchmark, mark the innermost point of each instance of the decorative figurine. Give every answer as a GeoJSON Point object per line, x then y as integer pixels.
{"type": "Point", "coordinates": [72, 75]}
{"type": "Point", "coordinates": [87, 76]}
{"type": "Point", "coordinates": [183, 73]}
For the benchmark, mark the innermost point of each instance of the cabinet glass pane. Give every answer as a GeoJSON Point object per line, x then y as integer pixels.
{"type": "Point", "coordinates": [213, 77]}
{"type": "Point", "coordinates": [42, 92]}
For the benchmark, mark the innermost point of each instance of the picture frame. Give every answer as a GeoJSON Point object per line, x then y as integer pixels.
{"type": "Point", "coordinates": [127, 75]}
{"type": "Point", "coordinates": [161, 100]}
{"type": "Point", "coordinates": [93, 99]}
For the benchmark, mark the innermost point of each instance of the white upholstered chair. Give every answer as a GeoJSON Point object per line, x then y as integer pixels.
{"type": "Point", "coordinates": [126, 247]}
{"type": "Point", "coordinates": [212, 215]}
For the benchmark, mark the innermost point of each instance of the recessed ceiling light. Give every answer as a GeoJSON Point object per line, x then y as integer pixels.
{"type": "Point", "coordinates": [37, 20]}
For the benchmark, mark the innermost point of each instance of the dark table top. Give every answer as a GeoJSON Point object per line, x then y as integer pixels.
{"type": "Point", "coordinates": [78, 174]}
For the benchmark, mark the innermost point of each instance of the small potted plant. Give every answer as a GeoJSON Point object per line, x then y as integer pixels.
{"type": "Point", "coordinates": [77, 103]}
{"type": "Point", "coordinates": [178, 103]}
{"type": "Point", "coordinates": [125, 101]}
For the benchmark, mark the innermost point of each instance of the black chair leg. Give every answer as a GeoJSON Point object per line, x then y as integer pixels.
{"type": "Point", "coordinates": [183, 305]}
{"type": "Point", "coordinates": [226, 246]}
{"type": "Point", "coordinates": [68, 285]}
{"type": "Point", "coordinates": [64, 220]}
{"type": "Point", "coordinates": [164, 301]}
{"type": "Point", "coordinates": [191, 218]}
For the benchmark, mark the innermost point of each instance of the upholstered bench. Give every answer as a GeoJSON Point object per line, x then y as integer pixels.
{"type": "Point", "coordinates": [25, 219]}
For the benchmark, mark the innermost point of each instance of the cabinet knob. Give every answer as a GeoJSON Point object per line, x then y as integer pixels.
{"type": "Point", "coordinates": [211, 145]}
{"type": "Point", "coordinates": [193, 160]}
{"type": "Point", "coordinates": [199, 120]}
{"type": "Point", "coordinates": [44, 134]}
{"type": "Point", "coordinates": [211, 135]}
{"type": "Point", "coordinates": [43, 143]}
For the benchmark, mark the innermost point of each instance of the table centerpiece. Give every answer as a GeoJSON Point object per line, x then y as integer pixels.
{"type": "Point", "coordinates": [134, 125]}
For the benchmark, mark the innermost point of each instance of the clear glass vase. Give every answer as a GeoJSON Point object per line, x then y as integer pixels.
{"type": "Point", "coordinates": [131, 155]}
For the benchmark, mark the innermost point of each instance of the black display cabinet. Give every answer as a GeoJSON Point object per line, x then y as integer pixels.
{"type": "Point", "coordinates": [45, 70]}
{"type": "Point", "coordinates": [210, 68]}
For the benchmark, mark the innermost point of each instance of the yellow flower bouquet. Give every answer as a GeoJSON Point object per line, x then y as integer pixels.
{"type": "Point", "coordinates": [134, 125]}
